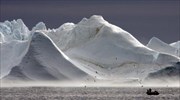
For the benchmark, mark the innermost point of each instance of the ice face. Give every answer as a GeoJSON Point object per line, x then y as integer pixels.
{"type": "Point", "coordinates": [15, 37]}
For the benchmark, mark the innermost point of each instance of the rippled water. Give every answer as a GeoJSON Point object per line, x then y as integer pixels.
{"type": "Point", "coordinates": [88, 93]}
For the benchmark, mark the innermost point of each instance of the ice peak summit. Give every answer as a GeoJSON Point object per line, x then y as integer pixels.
{"type": "Point", "coordinates": [93, 20]}
{"type": "Point", "coordinates": [14, 30]}
{"type": "Point", "coordinates": [160, 46]}
{"type": "Point", "coordinates": [39, 26]}
{"type": "Point", "coordinates": [154, 39]}
{"type": "Point", "coordinates": [97, 17]}
{"type": "Point", "coordinates": [176, 44]}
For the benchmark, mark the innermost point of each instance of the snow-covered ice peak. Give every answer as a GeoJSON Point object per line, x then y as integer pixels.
{"type": "Point", "coordinates": [97, 17]}
{"type": "Point", "coordinates": [157, 43]}
{"type": "Point", "coordinates": [39, 26]}
{"type": "Point", "coordinates": [66, 27]}
{"type": "Point", "coordinates": [97, 25]}
{"type": "Point", "coordinates": [70, 35]}
{"type": "Point", "coordinates": [154, 40]}
{"type": "Point", "coordinates": [93, 20]}
{"type": "Point", "coordinates": [13, 30]}
{"type": "Point", "coordinates": [176, 44]}
{"type": "Point", "coordinates": [160, 46]}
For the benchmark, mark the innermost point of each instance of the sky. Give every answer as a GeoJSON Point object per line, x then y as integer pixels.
{"type": "Point", "coordinates": [144, 19]}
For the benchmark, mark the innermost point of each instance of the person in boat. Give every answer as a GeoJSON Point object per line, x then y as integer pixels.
{"type": "Point", "coordinates": [150, 92]}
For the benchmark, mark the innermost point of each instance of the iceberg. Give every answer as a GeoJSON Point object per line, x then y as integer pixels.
{"type": "Point", "coordinates": [89, 50]}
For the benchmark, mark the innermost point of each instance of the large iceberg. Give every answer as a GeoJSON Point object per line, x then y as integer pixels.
{"type": "Point", "coordinates": [96, 44]}
{"type": "Point", "coordinates": [91, 49]}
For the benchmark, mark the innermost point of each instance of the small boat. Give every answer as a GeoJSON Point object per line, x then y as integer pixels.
{"type": "Point", "coordinates": [150, 92]}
